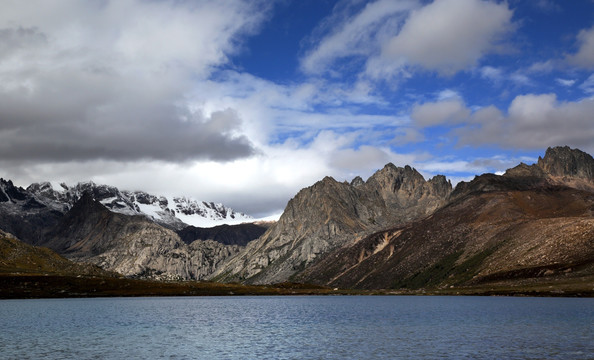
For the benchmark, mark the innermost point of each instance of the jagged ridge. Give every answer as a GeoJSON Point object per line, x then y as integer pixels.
{"type": "Point", "coordinates": [525, 226]}
{"type": "Point", "coordinates": [175, 213]}
{"type": "Point", "coordinates": [328, 215]}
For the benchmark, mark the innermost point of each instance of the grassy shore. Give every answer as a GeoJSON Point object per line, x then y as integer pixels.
{"type": "Point", "coordinates": [31, 285]}
{"type": "Point", "coordinates": [26, 286]}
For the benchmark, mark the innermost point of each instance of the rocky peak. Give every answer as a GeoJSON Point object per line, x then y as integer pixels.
{"type": "Point", "coordinates": [44, 190]}
{"type": "Point", "coordinates": [87, 204]}
{"type": "Point", "coordinates": [325, 216]}
{"type": "Point", "coordinates": [392, 178]}
{"type": "Point", "coordinates": [524, 170]}
{"type": "Point", "coordinates": [9, 192]}
{"type": "Point", "coordinates": [403, 187]}
{"type": "Point", "coordinates": [562, 161]}
{"type": "Point", "coordinates": [440, 186]}
{"type": "Point", "coordinates": [357, 181]}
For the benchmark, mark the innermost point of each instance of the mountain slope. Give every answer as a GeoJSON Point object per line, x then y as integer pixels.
{"type": "Point", "coordinates": [18, 257]}
{"type": "Point", "coordinates": [330, 214]}
{"type": "Point", "coordinates": [132, 245]}
{"type": "Point", "coordinates": [527, 225]}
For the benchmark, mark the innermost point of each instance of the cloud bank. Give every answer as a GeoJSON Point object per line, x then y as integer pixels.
{"type": "Point", "coordinates": [109, 79]}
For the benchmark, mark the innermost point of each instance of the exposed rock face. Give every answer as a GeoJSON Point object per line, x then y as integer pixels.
{"type": "Point", "coordinates": [480, 238]}
{"type": "Point", "coordinates": [393, 230]}
{"type": "Point", "coordinates": [533, 224]}
{"type": "Point", "coordinates": [132, 245]}
{"type": "Point", "coordinates": [330, 214]}
{"type": "Point", "coordinates": [240, 234]}
{"type": "Point", "coordinates": [560, 166]}
{"type": "Point", "coordinates": [563, 161]}
{"type": "Point", "coordinates": [24, 215]}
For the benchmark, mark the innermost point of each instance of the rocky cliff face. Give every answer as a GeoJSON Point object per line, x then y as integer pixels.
{"type": "Point", "coordinates": [539, 234]}
{"type": "Point", "coordinates": [23, 215]}
{"type": "Point", "coordinates": [530, 225]}
{"type": "Point", "coordinates": [560, 166]}
{"type": "Point", "coordinates": [330, 214]}
{"type": "Point", "coordinates": [565, 162]}
{"type": "Point", "coordinates": [132, 245]}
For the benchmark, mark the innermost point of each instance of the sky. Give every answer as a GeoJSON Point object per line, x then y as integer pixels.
{"type": "Point", "coordinates": [247, 102]}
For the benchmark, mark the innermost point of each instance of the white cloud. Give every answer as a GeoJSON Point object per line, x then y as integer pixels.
{"type": "Point", "coordinates": [547, 5]}
{"type": "Point", "coordinates": [448, 94]}
{"type": "Point", "coordinates": [407, 135]}
{"type": "Point", "coordinates": [449, 35]}
{"type": "Point", "coordinates": [270, 112]}
{"type": "Point", "coordinates": [585, 55]}
{"type": "Point", "coordinates": [498, 75]}
{"type": "Point", "coordinates": [491, 73]}
{"type": "Point", "coordinates": [259, 185]}
{"type": "Point", "coordinates": [444, 36]}
{"type": "Point", "coordinates": [541, 67]}
{"type": "Point", "coordinates": [355, 35]}
{"type": "Point", "coordinates": [520, 78]}
{"type": "Point", "coordinates": [533, 122]}
{"type": "Point", "coordinates": [588, 85]}
{"type": "Point", "coordinates": [565, 82]}
{"type": "Point", "coordinates": [449, 112]}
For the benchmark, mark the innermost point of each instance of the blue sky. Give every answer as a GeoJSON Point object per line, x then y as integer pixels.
{"type": "Point", "coordinates": [246, 102]}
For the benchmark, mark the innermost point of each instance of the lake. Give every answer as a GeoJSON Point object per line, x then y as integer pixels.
{"type": "Point", "coordinates": [298, 327]}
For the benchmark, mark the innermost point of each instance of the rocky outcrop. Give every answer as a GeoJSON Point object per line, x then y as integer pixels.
{"type": "Point", "coordinates": [560, 166]}
{"type": "Point", "coordinates": [132, 245]}
{"type": "Point", "coordinates": [156, 253]}
{"type": "Point", "coordinates": [562, 161]}
{"type": "Point", "coordinates": [102, 225]}
{"type": "Point", "coordinates": [330, 214]}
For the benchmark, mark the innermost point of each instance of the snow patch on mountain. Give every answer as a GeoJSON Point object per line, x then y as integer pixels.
{"type": "Point", "coordinates": [173, 212]}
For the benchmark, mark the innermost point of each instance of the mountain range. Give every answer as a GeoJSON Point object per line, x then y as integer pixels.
{"type": "Point", "coordinates": [532, 226]}
{"type": "Point", "coordinates": [121, 232]}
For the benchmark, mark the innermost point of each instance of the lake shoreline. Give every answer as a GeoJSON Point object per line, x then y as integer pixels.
{"type": "Point", "coordinates": [37, 286]}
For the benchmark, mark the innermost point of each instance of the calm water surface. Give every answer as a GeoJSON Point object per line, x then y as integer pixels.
{"type": "Point", "coordinates": [307, 327]}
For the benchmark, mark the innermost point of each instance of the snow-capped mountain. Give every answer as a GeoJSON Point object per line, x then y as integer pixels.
{"type": "Point", "coordinates": [173, 212]}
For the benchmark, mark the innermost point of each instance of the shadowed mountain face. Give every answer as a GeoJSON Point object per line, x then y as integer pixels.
{"type": "Point", "coordinates": [22, 215]}
{"type": "Point", "coordinates": [329, 215]}
{"type": "Point", "coordinates": [18, 257]}
{"type": "Point", "coordinates": [240, 234]}
{"type": "Point", "coordinates": [528, 224]}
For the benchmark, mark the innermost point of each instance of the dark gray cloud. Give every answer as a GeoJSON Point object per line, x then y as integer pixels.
{"type": "Point", "coordinates": [75, 118]}
{"type": "Point", "coordinates": [117, 88]}
{"type": "Point", "coordinates": [119, 133]}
